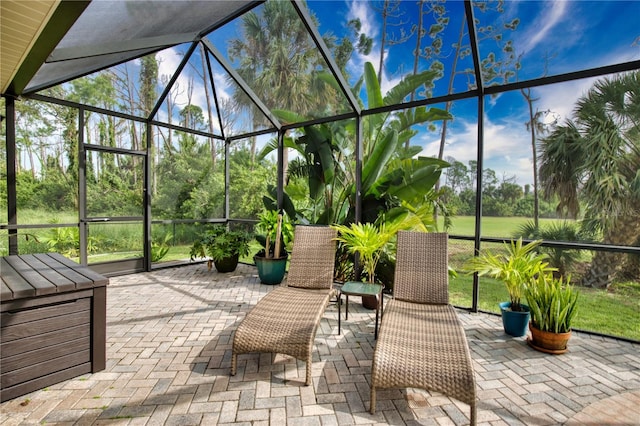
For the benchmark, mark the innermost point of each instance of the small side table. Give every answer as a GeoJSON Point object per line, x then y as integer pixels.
{"type": "Point", "coordinates": [356, 288]}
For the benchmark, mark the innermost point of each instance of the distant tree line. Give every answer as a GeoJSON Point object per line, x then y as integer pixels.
{"type": "Point", "coordinates": [500, 196]}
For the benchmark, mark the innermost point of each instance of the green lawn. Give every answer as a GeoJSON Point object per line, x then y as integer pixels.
{"type": "Point", "coordinates": [614, 312]}
{"type": "Point", "coordinates": [491, 226]}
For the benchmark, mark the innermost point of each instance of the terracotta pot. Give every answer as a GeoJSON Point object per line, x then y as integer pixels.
{"type": "Point", "coordinates": [369, 302]}
{"type": "Point", "coordinates": [548, 342]}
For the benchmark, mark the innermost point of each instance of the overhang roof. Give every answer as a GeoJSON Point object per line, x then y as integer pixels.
{"type": "Point", "coordinates": [21, 23]}
{"type": "Point", "coordinates": [50, 41]}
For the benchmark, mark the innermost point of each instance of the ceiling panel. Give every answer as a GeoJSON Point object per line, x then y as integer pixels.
{"type": "Point", "coordinates": [21, 22]}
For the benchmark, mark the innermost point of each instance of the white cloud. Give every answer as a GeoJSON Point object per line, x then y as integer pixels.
{"type": "Point", "coordinates": [543, 25]}
{"type": "Point", "coordinates": [561, 98]}
{"type": "Point", "coordinates": [188, 81]}
{"type": "Point", "coordinates": [507, 147]}
{"type": "Point", "coordinates": [362, 10]}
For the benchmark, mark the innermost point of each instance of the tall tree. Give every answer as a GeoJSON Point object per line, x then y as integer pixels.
{"type": "Point", "coordinates": [497, 66]}
{"type": "Point", "coordinates": [391, 14]}
{"type": "Point", "coordinates": [148, 98]}
{"type": "Point", "coordinates": [594, 158]}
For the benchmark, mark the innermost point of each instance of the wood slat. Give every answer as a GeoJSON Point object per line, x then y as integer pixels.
{"type": "Point", "coordinates": [44, 368]}
{"type": "Point", "coordinates": [97, 279]}
{"type": "Point", "coordinates": [44, 312]}
{"type": "Point", "coordinates": [21, 265]}
{"type": "Point", "coordinates": [43, 354]}
{"type": "Point", "coordinates": [55, 277]}
{"type": "Point", "coordinates": [5, 291]}
{"type": "Point", "coordinates": [33, 328]}
{"type": "Point", "coordinates": [42, 382]}
{"type": "Point", "coordinates": [71, 271]}
{"type": "Point", "coordinates": [22, 346]}
{"type": "Point", "coordinates": [19, 287]}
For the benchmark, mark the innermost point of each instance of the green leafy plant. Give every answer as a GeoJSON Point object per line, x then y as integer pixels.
{"type": "Point", "coordinates": [369, 240]}
{"type": "Point", "coordinates": [516, 267]}
{"type": "Point", "coordinates": [219, 243]}
{"type": "Point", "coordinates": [268, 227]}
{"type": "Point", "coordinates": [160, 249]}
{"type": "Point", "coordinates": [553, 303]}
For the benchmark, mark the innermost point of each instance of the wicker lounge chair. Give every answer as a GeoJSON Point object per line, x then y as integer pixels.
{"type": "Point", "coordinates": [421, 343]}
{"type": "Point", "coordinates": [286, 319]}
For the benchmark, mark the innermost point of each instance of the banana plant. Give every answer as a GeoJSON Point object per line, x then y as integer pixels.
{"type": "Point", "coordinates": [393, 176]}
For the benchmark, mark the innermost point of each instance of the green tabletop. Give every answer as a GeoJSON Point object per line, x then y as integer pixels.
{"type": "Point", "coordinates": [358, 288]}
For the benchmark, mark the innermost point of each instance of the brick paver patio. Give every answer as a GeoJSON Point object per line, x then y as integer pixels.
{"type": "Point", "coordinates": [169, 349]}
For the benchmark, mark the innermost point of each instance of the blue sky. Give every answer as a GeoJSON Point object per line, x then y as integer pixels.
{"type": "Point", "coordinates": [551, 38]}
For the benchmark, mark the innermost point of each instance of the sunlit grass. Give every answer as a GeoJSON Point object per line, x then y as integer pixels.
{"type": "Point", "coordinates": [614, 312]}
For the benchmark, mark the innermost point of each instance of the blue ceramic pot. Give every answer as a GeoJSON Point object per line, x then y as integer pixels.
{"type": "Point", "coordinates": [515, 323]}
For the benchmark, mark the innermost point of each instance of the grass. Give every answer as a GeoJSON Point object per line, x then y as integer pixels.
{"type": "Point", "coordinates": [499, 227]}
{"type": "Point", "coordinates": [614, 312]}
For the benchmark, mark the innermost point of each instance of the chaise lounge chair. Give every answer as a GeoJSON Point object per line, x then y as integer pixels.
{"type": "Point", "coordinates": [286, 319]}
{"type": "Point", "coordinates": [421, 343]}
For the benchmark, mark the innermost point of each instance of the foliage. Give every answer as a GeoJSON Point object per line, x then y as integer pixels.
{"type": "Point", "coordinates": [553, 303]}
{"type": "Point", "coordinates": [517, 267]}
{"type": "Point", "coordinates": [268, 226]}
{"type": "Point", "coordinates": [369, 240]}
{"type": "Point", "coordinates": [594, 158]}
{"type": "Point", "coordinates": [219, 243]}
{"type": "Point", "coordinates": [560, 258]}
{"type": "Point", "coordinates": [160, 249]}
{"type": "Point", "coordinates": [64, 241]}
{"type": "Point", "coordinates": [393, 176]}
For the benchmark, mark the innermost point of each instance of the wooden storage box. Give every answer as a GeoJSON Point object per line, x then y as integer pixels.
{"type": "Point", "coordinates": [52, 322]}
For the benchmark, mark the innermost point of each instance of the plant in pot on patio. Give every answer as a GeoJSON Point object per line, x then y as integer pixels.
{"type": "Point", "coordinates": [369, 241]}
{"type": "Point", "coordinates": [276, 235]}
{"type": "Point", "coordinates": [517, 266]}
{"type": "Point", "coordinates": [222, 247]}
{"type": "Point", "coordinates": [553, 304]}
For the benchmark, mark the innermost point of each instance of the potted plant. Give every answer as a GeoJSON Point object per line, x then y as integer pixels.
{"type": "Point", "coordinates": [276, 234]}
{"type": "Point", "coordinates": [222, 247]}
{"type": "Point", "coordinates": [368, 241]}
{"type": "Point", "coordinates": [516, 267]}
{"type": "Point", "coordinates": [553, 303]}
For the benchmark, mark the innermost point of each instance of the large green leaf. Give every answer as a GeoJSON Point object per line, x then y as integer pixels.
{"type": "Point", "coordinates": [319, 147]}
{"type": "Point", "coordinates": [407, 118]}
{"type": "Point", "coordinates": [375, 164]}
{"type": "Point", "coordinates": [408, 85]}
{"type": "Point", "coordinates": [288, 116]}
{"type": "Point", "coordinates": [419, 178]}
{"type": "Point", "coordinates": [374, 95]}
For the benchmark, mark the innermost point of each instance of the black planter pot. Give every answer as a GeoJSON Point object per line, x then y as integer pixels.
{"type": "Point", "coordinates": [227, 264]}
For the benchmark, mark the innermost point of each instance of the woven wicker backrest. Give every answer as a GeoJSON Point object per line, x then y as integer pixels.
{"type": "Point", "coordinates": [421, 268]}
{"type": "Point", "coordinates": [313, 257]}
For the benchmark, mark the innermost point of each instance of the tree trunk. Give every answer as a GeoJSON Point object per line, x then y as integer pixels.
{"type": "Point", "coordinates": [207, 94]}
{"type": "Point", "coordinates": [384, 39]}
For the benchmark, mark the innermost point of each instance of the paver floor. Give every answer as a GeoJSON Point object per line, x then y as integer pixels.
{"type": "Point", "coordinates": [169, 351]}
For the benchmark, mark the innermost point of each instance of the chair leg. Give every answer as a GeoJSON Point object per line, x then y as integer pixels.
{"type": "Point", "coordinates": [307, 382]}
{"type": "Point", "coordinates": [234, 363]}
{"type": "Point", "coordinates": [372, 402]}
{"type": "Point", "coordinates": [473, 417]}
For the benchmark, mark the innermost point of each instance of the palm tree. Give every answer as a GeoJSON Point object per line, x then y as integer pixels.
{"type": "Point", "coordinates": [594, 159]}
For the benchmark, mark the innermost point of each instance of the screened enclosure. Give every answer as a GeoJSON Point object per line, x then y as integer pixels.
{"type": "Point", "coordinates": [130, 126]}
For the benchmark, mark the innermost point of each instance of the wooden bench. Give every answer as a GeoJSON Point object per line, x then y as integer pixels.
{"type": "Point", "coordinates": [52, 322]}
